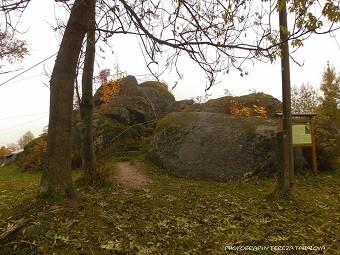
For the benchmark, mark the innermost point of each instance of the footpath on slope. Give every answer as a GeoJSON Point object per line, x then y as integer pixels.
{"type": "Point", "coordinates": [130, 176]}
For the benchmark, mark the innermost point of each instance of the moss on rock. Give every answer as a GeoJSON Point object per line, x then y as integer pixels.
{"type": "Point", "coordinates": [211, 146]}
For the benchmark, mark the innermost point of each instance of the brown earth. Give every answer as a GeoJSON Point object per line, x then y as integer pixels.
{"type": "Point", "coordinates": [130, 176]}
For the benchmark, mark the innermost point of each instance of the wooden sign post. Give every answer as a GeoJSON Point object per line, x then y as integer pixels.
{"type": "Point", "coordinates": [304, 133]}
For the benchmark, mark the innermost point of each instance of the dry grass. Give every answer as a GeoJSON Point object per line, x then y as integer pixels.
{"type": "Point", "coordinates": [171, 216]}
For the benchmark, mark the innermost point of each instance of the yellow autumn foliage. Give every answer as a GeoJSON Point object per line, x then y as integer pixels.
{"type": "Point", "coordinates": [241, 110]}
{"type": "Point", "coordinates": [260, 111]}
{"type": "Point", "coordinates": [111, 88]}
{"type": "Point", "coordinates": [4, 151]}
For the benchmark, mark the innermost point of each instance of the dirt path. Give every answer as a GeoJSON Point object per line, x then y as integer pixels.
{"type": "Point", "coordinates": [130, 176]}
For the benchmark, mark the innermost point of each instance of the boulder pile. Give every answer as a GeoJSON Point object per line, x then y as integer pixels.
{"type": "Point", "coordinates": [187, 138]}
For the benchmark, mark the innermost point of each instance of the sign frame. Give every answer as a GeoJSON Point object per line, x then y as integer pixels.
{"type": "Point", "coordinates": [303, 119]}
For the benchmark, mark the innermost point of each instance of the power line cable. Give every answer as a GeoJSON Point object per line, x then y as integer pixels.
{"type": "Point", "coordinates": [28, 78]}
{"type": "Point", "coordinates": [19, 74]}
{"type": "Point", "coordinates": [22, 124]}
{"type": "Point", "coordinates": [129, 127]}
{"type": "Point", "coordinates": [332, 35]}
{"type": "Point", "coordinates": [11, 71]}
{"type": "Point", "coordinates": [22, 116]}
{"type": "Point", "coordinates": [336, 40]}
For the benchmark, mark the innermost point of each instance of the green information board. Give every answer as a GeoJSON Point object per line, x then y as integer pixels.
{"type": "Point", "coordinates": [302, 133]}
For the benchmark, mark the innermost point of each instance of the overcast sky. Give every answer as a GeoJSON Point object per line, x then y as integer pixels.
{"type": "Point", "coordinates": [24, 102]}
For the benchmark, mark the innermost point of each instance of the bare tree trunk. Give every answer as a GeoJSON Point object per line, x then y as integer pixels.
{"type": "Point", "coordinates": [57, 177]}
{"type": "Point", "coordinates": [287, 176]}
{"type": "Point", "coordinates": [86, 106]}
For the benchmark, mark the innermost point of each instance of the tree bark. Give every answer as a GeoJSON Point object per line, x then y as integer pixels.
{"type": "Point", "coordinates": [86, 106]}
{"type": "Point", "coordinates": [287, 176]}
{"type": "Point", "coordinates": [57, 177]}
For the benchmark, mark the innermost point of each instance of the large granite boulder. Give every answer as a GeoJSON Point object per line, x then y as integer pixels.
{"type": "Point", "coordinates": [126, 86]}
{"type": "Point", "coordinates": [328, 145]}
{"type": "Point", "coordinates": [158, 95]}
{"type": "Point", "coordinates": [187, 105]}
{"type": "Point", "coordinates": [213, 146]}
{"type": "Point", "coordinates": [111, 136]}
{"type": "Point", "coordinates": [128, 109]}
{"type": "Point", "coordinates": [129, 102]}
{"type": "Point", "coordinates": [254, 104]}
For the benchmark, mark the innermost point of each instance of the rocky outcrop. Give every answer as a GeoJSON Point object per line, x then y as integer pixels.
{"type": "Point", "coordinates": [130, 102]}
{"type": "Point", "coordinates": [157, 94]}
{"type": "Point", "coordinates": [187, 105]}
{"type": "Point", "coordinates": [253, 103]}
{"type": "Point", "coordinates": [128, 109]}
{"type": "Point", "coordinates": [328, 145]}
{"type": "Point", "coordinates": [213, 146]}
{"type": "Point", "coordinates": [195, 140]}
{"type": "Point", "coordinates": [123, 114]}
{"type": "Point", "coordinates": [127, 87]}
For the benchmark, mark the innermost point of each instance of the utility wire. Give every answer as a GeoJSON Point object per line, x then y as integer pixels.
{"type": "Point", "coordinates": [25, 79]}
{"type": "Point", "coordinates": [336, 40]}
{"type": "Point", "coordinates": [332, 35]}
{"type": "Point", "coordinates": [22, 124]}
{"type": "Point", "coordinates": [129, 127]}
{"type": "Point", "coordinates": [22, 116]}
{"type": "Point", "coordinates": [11, 71]}
{"type": "Point", "coordinates": [19, 74]}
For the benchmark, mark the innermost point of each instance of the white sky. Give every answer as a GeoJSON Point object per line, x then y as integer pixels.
{"type": "Point", "coordinates": [24, 102]}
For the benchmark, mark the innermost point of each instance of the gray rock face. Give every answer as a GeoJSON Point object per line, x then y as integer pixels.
{"type": "Point", "coordinates": [128, 88]}
{"type": "Point", "coordinates": [120, 114]}
{"type": "Point", "coordinates": [183, 105]}
{"type": "Point", "coordinates": [135, 103]}
{"type": "Point", "coordinates": [128, 109]}
{"type": "Point", "coordinates": [226, 104]}
{"type": "Point", "coordinates": [158, 95]}
{"type": "Point", "coordinates": [212, 146]}
{"type": "Point", "coordinates": [328, 145]}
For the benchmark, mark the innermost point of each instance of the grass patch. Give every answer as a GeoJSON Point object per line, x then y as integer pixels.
{"type": "Point", "coordinates": [16, 186]}
{"type": "Point", "coordinates": [172, 216]}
